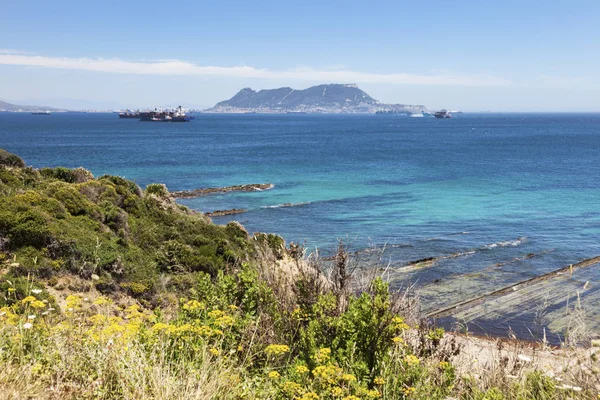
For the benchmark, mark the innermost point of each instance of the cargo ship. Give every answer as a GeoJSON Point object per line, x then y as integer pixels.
{"type": "Point", "coordinates": [165, 116]}
{"type": "Point", "coordinates": [130, 114]}
{"type": "Point", "coordinates": [443, 114]}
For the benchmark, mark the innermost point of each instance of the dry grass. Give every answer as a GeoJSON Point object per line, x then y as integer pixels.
{"type": "Point", "coordinates": [131, 373]}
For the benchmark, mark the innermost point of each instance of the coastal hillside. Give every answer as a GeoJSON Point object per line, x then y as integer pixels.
{"type": "Point", "coordinates": [111, 291]}
{"type": "Point", "coordinates": [4, 106]}
{"type": "Point", "coordinates": [330, 98]}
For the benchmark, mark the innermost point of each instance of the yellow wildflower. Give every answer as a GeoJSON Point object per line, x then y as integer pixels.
{"type": "Point", "coordinates": [292, 388]}
{"type": "Point", "coordinates": [8, 316]}
{"type": "Point", "coordinates": [37, 368]}
{"type": "Point", "coordinates": [274, 375]}
{"type": "Point", "coordinates": [301, 369]}
{"type": "Point", "coordinates": [133, 311]}
{"type": "Point", "coordinates": [73, 302]}
{"type": "Point", "coordinates": [215, 314]}
{"type": "Point", "coordinates": [100, 301]}
{"type": "Point", "coordinates": [408, 390]}
{"type": "Point", "coordinates": [311, 396]}
{"type": "Point", "coordinates": [225, 320]}
{"type": "Point", "coordinates": [351, 398]}
{"type": "Point", "coordinates": [337, 391]}
{"type": "Point", "coordinates": [323, 355]}
{"type": "Point", "coordinates": [28, 299]}
{"type": "Point", "coordinates": [348, 378]}
{"type": "Point", "coordinates": [276, 349]}
{"type": "Point", "coordinates": [214, 351]}
{"type": "Point", "coordinates": [233, 307]}
{"type": "Point", "coordinates": [399, 323]}
{"type": "Point", "coordinates": [37, 304]}
{"type": "Point", "coordinates": [11, 290]}
{"type": "Point", "coordinates": [412, 359]}
{"type": "Point", "coordinates": [98, 319]}
{"type": "Point", "coordinates": [373, 394]}
{"type": "Point", "coordinates": [397, 340]}
{"type": "Point", "coordinates": [444, 364]}
{"type": "Point", "coordinates": [379, 381]}
{"type": "Point", "coordinates": [203, 330]}
{"type": "Point", "coordinates": [193, 305]}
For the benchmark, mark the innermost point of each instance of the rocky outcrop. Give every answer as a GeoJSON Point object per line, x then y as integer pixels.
{"type": "Point", "coordinates": [189, 194]}
{"type": "Point", "coordinates": [220, 213]}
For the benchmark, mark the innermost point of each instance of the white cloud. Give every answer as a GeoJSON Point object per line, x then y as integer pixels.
{"type": "Point", "coordinates": [183, 68]}
{"type": "Point", "coordinates": [13, 51]}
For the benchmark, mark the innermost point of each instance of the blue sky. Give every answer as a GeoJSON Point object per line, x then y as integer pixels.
{"type": "Point", "coordinates": [471, 55]}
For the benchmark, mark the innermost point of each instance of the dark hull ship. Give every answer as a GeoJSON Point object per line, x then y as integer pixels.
{"type": "Point", "coordinates": [166, 116]}
{"type": "Point", "coordinates": [443, 114]}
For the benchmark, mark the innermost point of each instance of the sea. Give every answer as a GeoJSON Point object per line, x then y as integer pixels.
{"type": "Point", "coordinates": [452, 210]}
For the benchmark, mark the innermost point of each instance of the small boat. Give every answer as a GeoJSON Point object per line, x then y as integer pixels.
{"type": "Point", "coordinates": [41, 112]}
{"type": "Point", "coordinates": [426, 114]}
{"type": "Point", "coordinates": [416, 115]}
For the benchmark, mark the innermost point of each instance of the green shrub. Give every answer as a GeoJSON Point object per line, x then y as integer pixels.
{"type": "Point", "coordinates": [136, 288]}
{"type": "Point", "coordinates": [235, 230]}
{"type": "Point", "coordinates": [33, 261]}
{"type": "Point", "coordinates": [71, 198]}
{"type": "Point", "coordinates": [274, 242]}
{"type": "Point", "coordinates": [31, 198]}
{"type": "Point", "coordinates": [97, 192]}
{"type": "Point", "coordinates": [122, 185]}
{"type": "Point", "coordinates": [157, 189]}
{"type": "Point", "coordinates": [10, 160]}
{"type": "Point", "coordinates": [27, 228]}
{"type": "Point", "coordinates": [8, 178]}
{"type": "Point", "coordinates": [59, 173]}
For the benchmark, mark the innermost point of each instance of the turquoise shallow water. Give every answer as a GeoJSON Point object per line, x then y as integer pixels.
{"type": "Point", "coordinates": [424, 187]}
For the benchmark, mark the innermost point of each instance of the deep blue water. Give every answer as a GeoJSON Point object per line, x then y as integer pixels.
{"type": "Point", "coordinates": [425, 187]}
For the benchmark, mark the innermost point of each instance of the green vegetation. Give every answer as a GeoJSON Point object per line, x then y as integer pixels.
{"type": "Point", "coordinates": [110, 292]}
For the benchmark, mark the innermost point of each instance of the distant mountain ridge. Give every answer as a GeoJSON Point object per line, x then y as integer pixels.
{"type": "Point", "coordinates": [327, 98]}
{"type": "Point", "coordinates": [4, 106]}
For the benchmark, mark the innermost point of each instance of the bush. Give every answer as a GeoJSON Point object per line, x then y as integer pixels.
{"type": "Point", "coordinates": [157, 189]}
{"type": "Point", "coordinates": [81, 175]}
{"type": "Point", "coordinates": [59, 173]}
{"type": "Point", "coordinates": [27, 228]}
{"type": "Point", "coordinates": [71, 198]}
{"type": "Point", "coordinates": [235, 230]}
{"type": "Point", "coordinates": [10, 160]}
{"type": "Point", "coordinates": [274, 242]}
{"type": "Point", "coordinates": [31, 198]}
{"type": "Point", "coordinates": [122, 185]}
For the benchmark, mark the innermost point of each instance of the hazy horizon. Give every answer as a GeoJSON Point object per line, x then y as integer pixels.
{"type": "Point", "coordinates": [508, 57]}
